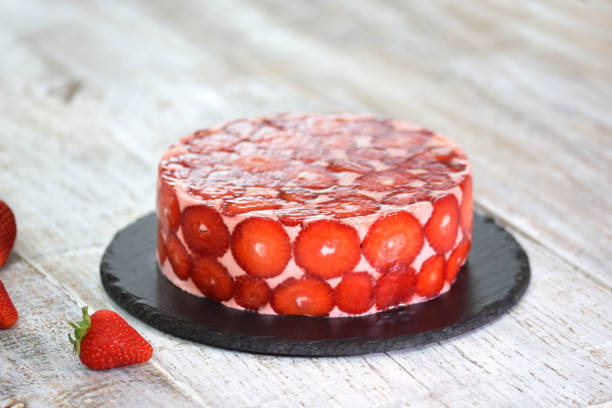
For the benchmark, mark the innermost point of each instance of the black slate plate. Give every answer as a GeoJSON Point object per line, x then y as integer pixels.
{"type": "Point", "coordinates": [496, 276]}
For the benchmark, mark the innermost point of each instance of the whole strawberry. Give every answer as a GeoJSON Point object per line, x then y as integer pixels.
{"type": "Point", "coordinates": [8, 232]}
{"type": "Point", "coordinates": [8, 313]}
{"type": "Point", "coordinates": [105, 340]}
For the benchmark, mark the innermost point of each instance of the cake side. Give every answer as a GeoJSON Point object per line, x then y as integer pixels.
{"type": "Point", "coordinates": [359, 214]}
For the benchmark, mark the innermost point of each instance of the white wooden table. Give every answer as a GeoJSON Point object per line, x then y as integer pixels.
{"type": "Point", "coordinates": [91, 93]}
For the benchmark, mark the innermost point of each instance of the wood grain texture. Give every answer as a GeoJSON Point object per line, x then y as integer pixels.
{"type": "Point", "coordinates": [91, 93]}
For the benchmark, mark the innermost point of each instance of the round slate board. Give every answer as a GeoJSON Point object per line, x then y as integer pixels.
{"type": "Point", "coordinates": [493, 280]}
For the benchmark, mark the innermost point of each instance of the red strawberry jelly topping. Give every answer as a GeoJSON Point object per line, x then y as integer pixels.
{"type": "Point", "coordinates": [251, 292]}
{"type": "Point", "coordinates": [212, 278]}
{"type": "Point", "coordinates": [441, 228]}
{"type": "Point", "coordinates": [178, 256]}
{"type": "Point", "coordinates": [306, 296]}
{"type": "Point", "coordinates": [317, 211]}
{"type": "Point", "coordinates": [394, 238]}
{"type": "Point", "coordinates": [355, 293]}
{"type": "Point", "coordinates": [432, 276]}
{"type": "Point", "coordinates": [327, 248]}
{"type": "Point", "coordinates": [204, 230]}
{"type": "Point", "coordinates": [395, 286]}
{"type": "Point", "coordinates": [261, 247]}
{"type": "Point", "coordinates": [457, 259]}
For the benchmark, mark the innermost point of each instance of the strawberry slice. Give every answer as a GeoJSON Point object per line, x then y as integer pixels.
{"type": "Point", "coordinates": [327, 248]}
{"type": "Point", "coordinates": [212, 278]}
{"type": "Point", "coordinates": [394, 237]}
{"type": "Point", "coordinates": [457, 259]}
{"type": "Point", "coordinates": [400, 139]}
{"type": "Point", "coordinates": [168, 210]}
{"type": "Point", "coordinates": [337, 141]}
{"type": "Point", "coordinates": [436, 181]}
{"type": "Point", "coordinates": [251, 292]}
{"type": "Point", "coordinates": [204, 231]}
{"type": "Point", "coordinates": [243, 205]}
{"type": "Point", "coordinates": [214, 191]}
{"type": "Point", "coordinates": [466, 208]}
{"type": "Point", "coordinates": [8, 232]}
{"type": "Point", "coordinates": [432, 276]}
{"type": "Point", "coordinates": [261, 247]}
{"type": "Point", "coordinates": [297, 194]}
{"type": "Point", "coordinates": [306, 296]}
{"type": "Point", "coordinates": [161, 247]}
{"type": "Point", "coordinates": [441, 229]}
{"type": "Point", "coordinates": [313, 177]}
{"type": "Point", "coordinates": [407, 196]}
{"type": "Point", "coordinates": [306, 155]}
{"type": "Point", "coordinates": [178, 257]}
{"type": "Point", "coordinates": [256, 163]}
{"type": "Point", "coordinates": [293, 217]}
{"type": "Point", "coordinates": [350, 206]}
{"type": "Point", "coordinates": [396, 285]}
{"type": "Point", "coordinates": [383, 180]}
{"type": "Point", "coordinates": [355, 292]}
{"type": "Point", "coordinates": [338, 166]}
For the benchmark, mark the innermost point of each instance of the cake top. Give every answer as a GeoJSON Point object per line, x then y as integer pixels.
{"type": "Point", "coordinates": [299, 166]}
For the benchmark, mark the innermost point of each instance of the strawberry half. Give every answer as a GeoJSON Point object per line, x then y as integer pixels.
{"type": "Point", "coordinates": [432, 276]}
{"type": "Point", "coordinates": [327, 248]}
{"type": "Point", "coordinates": [178, 257]}
{"type": "Point", "coordinates": [355, 292]}
{"type": "Point", "coordinates": [8, 232]}
{"type": "Point", "coordinates": [261, 247]}
{"type": "Point", "coordinates": [396, 285]}
{"type": "Point", "coordinates": [395, 237]}
{"type": "Point", "coordinates": [306, 296]}
{"type": "Point", "coordinates": [457, 259]}
{"type": "Point", "coordinates": [8, 313]}
{"type": "Point", "coordinates": [466, 208]}
{"type": "Point", "coordinates": [168, 210]}
{"type": "Point", "coordinates": [251, 292]}
{"type": "Point", "coordinates": [105, 340]}
{"type": "Point", "coordinates": [161, 247]}
{"type": "Point", "coordinates": [212, 278]}
{"type": "Point", "coordinates": [204, 231]}
{"type": "Point", "coordinates": [441, 229]}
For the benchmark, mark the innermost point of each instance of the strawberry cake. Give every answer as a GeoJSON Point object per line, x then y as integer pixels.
{"type": "Point", "coordinates": [318, 215]}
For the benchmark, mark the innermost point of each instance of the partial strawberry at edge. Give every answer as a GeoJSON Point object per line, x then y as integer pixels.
{"type": "Point", "coordinates": [8, 313]}
{"type": "Point", "coordinates": [105, 340]}
{"type": "Point", "coordinates": [8, 232]}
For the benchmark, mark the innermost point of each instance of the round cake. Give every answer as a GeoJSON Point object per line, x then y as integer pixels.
{"type": "Point", "coordinates": [318, 215]}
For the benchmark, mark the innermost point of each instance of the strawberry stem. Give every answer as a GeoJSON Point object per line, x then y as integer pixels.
{"type": "Point", "coordinates": [80, 331]}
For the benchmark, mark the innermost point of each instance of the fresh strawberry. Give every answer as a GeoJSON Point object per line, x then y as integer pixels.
{"type": "Point", "coordinates": [349, 206]}
{"type": "Point", "coordinates": [383, 180]}
{"type": "Point", "coordinates": [204, 231]}
{"type": "Point", "coordinates": [261, 247]}
{"type": "Point", "coordinates": [312, 177]}
{"type": "Point", "coordinates": [259, 162]}
{"type": "Point", "coordinates": [327, 248]}
{"type": "Point", "coordinates": [394, 237]}
{"type": "Point", "coordinates": [245, 204]}
{"type": "Point", "coordinates": [161, 247]}
{"type": "Point", "coordinates": [355, 292]}
{"type": "Point", "coordinates": [396, 285]}
{"type": "Point", "coordinates": [466, 206]}
{"type": "Point", "coordinates": [251, 292]}
{"type": "Point", "coordinates": [168, 210]}
{"type": "Point", "coordinates": [441, 229]}
{"type": "Point", "coordinates": [105, 340]}
{"type": "Point", "coordinates": [212, 278]}
{"type": "Point", "coordinates": [297, 194]}
{"type": "Point", "coordinates": [8, 313]}
{"type": "Point", "coordinates": [432, 276]}
{"type": "Point", "coordinates": [457, 259]}
{"type": "Point", "coordinates": [178, 257]}
{"type": "Point", "coordinates": [306, 296]}
{"type": "Point", "coordinates": [8, 232]}
{"type": "Point", "coordinates": [338, 166]}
